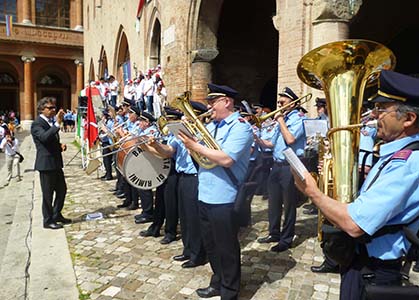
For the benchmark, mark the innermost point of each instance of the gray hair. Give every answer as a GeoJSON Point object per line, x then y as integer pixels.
{"type": "Point", "coordinates": [404, 108]}
{"type": "Point", "coordinates": [44, 102]}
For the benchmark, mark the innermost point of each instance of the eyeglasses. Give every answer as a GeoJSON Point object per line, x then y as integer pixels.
{"type": "Point", "coordinates": [212, 103]}
{"type": "Point", "coordinates": [51, 107]}
{"type": "Point", "coordinates": [379, 110]}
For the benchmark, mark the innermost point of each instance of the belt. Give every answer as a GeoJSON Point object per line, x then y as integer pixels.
{"type": "Point", "coordinates": [186, 174]}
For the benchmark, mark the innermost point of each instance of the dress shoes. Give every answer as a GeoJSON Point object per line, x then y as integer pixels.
{"type": "Point", "coordinates": [279, 248]}
{"type": "Point", "coordinates": [120, 196]}
{"type": "Point", "coordinates": [132, 207]}
{"type": "Point", "coordinates": [106, 178]}
{"type": "Point", "coordinates": [124, 204]}
{"type": "Point", "coordinates": [63, 220]}
{"type": "Point", "coordinates": [267, 239]}
{"type": "Point", "coordinates": [167, 240]}
{"type": "Point", "coordinates": [208, 292]}
{"type": "Point", "coordinates": [325, 268]}
{"type": "Point", "coordinates": [149, 232]}
{"type": "Point", "coordinates": [143, 220]}
{"type": "Point", "coordinates": [415, 267]}
{"type": "Point", "coordinates": [53, 226]}
{"type": "Point", "coordinates": [181, 257]}
{"type": "Point", "coordinates": [192, 264]}
{"type": "Point", "coordinates": [113, 190]}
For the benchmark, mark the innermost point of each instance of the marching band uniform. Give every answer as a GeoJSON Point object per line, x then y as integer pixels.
{"type": "Point", "coordinates": [106, 142]}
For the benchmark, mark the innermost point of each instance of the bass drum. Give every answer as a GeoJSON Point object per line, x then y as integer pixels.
{"type": "Point", "coordinates": [140, 168]}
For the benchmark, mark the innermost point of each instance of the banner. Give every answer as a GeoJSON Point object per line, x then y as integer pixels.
{"type": "Point", "coordinates": [91, 132]}
{"type": "Point", "coordinates": [9, 24]}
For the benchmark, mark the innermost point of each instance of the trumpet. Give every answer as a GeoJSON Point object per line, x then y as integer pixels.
{"type": "Point", "coordinates": [259, 120]}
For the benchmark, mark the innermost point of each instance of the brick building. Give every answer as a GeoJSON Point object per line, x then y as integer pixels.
{"type": "Point", "coordinates": [251, 46]}
{"type": "Point", "coordinates": [43, 56]}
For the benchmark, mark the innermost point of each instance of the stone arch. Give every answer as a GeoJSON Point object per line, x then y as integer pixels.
{"type": "Point", "coordinates": [54, 81]}
{"type": "Point", "coordinates": [239, 52]}
{"type": "Point", "coordinates": [103, 63]}
{"type": "Point", "coordinates": [9, 87]}
{"type": "Point", "coordinates": [122, 57]}
{"type": "Point", "coordinates": [154, 41]}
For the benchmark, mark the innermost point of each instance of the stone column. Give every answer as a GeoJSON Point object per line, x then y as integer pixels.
{"type": "Point", "coordinates": [26, 107]}
{"type": "Point", "coordinates": [79, 82]}
{"type": "Point", "coordinates": [79, 15]}
{"type": "Point", "coordinates": [27, 17]}
{"type": "Point", "coordinates": [201, 71]}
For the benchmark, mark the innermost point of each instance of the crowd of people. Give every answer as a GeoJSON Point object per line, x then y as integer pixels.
{"type": "Point", "coordinates": [206, 200]}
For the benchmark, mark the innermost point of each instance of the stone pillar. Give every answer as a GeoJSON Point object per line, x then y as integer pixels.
{"type": "Point", "coordinates": [201, 72]}
{"type": "Point", "coordinates": [26, 107]}
{"type": "Point", "coordinates": [79, 15]}
{"type": "Point", "coordinates": [27, 16]}
{"type": "Point", "coordinates": [79, 82]}
{"type": "Point", "coordinates": [331, 20]}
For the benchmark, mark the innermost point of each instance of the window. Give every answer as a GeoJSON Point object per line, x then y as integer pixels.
{"type": "Point", "coordinates": [53, 13]}
{"type": "Point", "coordinates": [7, 7]}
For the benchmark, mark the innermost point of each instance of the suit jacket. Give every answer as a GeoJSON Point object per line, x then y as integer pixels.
{"type": "Point", "coordinates": [48, 146]}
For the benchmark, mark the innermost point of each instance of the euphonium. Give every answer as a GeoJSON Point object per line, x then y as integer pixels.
{"type": "Point", "coordinates": [196, 128]}
{"type": "Point", "coordinates": [342, 70]}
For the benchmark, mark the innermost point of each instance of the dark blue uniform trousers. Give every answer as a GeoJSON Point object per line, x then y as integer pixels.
{"type": "Point", "coordinates": [219, 227]}
{"type": "Point", "coordinates": [282, 197]}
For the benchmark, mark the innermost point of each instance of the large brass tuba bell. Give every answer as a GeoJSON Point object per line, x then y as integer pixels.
{"type": "Point", "coordinates": [342, 70]}
{"type": "Point", "coordinates": [196, 128]}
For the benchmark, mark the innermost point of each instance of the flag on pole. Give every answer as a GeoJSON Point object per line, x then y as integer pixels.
{"type": "Point", "coordinates": [9, 24]}
{"type": "Point", "coordinates": [91, 132]}
{"type": "Point", "coordinates": [140, 8]}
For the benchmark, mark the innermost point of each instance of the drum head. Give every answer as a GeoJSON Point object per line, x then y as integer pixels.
{"type": "Point", "coordinates": [145, 171]}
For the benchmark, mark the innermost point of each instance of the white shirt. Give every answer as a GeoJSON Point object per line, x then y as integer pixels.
{"type": "Point", "coordinates": [113, 86]}
{"type": "Point", "coordinates": [1, 132]}
{"type": "Point", "coordinates": [9, 149]}
{"type": "Point", "coordinates": [148, 87]}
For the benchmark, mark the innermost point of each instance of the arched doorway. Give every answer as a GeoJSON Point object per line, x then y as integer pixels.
{"type": "Point", "coordinates": [248, 50]}
{"type": "Point", "coordinates": [123, 63]}
{"type": "Point", "coordinates": [52, 82]}
{"type": "Point", "coordinates": [103, 64]}
{"type": "Point", "coordinates": [155, 45]}
{"type": "Point", "coordinates": [393, 24]}
{"type": "Point", "coordinates": [9, 88]}
{"type": "Point", "coordinates": [91, 70]}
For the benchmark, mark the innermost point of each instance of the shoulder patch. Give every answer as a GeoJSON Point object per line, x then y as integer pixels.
{"type": "Point", "coordinates": [365, 132]}
{"type": "Point", "coordinates": [402, 154]}
{"type": "Point", "coordinates": [301, 114]}
{"type": "Point", "coordinates": [241, 120]}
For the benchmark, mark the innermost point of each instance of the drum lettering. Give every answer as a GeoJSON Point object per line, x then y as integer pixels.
{"type": "Point", "coordinates": [132, 177]}
{"type": "Point", "coordinates": [160, 177]}
{"type": "Point", "coordinates": [135, 153]}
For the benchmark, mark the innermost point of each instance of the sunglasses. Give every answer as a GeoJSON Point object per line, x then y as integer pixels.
{"type": "Point", "coordinates": [51, 107]}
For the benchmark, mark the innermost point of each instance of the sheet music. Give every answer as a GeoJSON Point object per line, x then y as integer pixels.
{"type": "Point", "coordinates": [312, 126]}
{"type": "Point", "coordinates": [295, 163]}
{"type": "Point", "coordinates": [176, 127]}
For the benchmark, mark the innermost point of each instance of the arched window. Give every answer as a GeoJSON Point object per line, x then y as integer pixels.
{"type": "Point", "coordinates": [8, 7]}
{"type": "Point", "coordinates": [50, 79]}
{"type": "Point", "coordinates": [53, 13]}
{"type": "Point", "coordinates": [6, 78]}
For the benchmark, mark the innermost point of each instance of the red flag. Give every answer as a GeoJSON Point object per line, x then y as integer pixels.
{"type": "Point", "coordinates": [91, 131]}
{"type": "Point", "coordinates": [140, 7]}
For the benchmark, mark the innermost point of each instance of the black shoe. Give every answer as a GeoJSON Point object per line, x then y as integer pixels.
{"type": "Point", "coordinates": [53, 226]}
{"type": "Point", "coordinates": [310, 211]}
{"type": "Point", "coordinates": [124, 204]}
{"type": "Point", "coordinates": [106, 178]}
{"type": "Point", "coordinates": [103, 177]}
{"type": "Point", "coordinates": [208, 292]}
{"type": "Point", "coordinates": [416, 267]}
{"type": "Point", "coordinates": [120, 196]}
{"type": "Point", "coordinates": [325, 268]}
{"type": "Point", "coordinates": [181, 257]}
{"type": "Point", "coordinates": [143, 220]}
{"type": "Point", "coordinates": [113, 190]}
{"type": "Point", "coordinates": [268, 239]}
{"type": "Point", "coordinates": [149, 232]}
{"type": "Point", "coordinates": [132, 207]}
{"type": "Point", "coordinates": [279, 248]}
{"type": "Point", "coordinates": [63, 220]}
{"type": "Point", "coordinates": [191, 264]}
{"type": "Point", "coordinates": [167, 240]}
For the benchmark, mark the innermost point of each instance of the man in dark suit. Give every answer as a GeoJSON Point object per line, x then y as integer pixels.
{"type": "Point", "coordinates": [49, 162]}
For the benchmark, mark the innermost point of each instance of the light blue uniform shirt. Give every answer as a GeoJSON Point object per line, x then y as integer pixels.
{"type": "Point", "coordinates": [267, 134]}
{"type": "Point", "coordinates": [256, 151]}
{"type": "Point", "coordinates": [294, 121]}
{"type": "Point", "coordinates": [392, 199]}
{"type": "Point", "coordinates": [366, 142]}
{"type": "Point", "coordinates": [234, 135]}
{"type": "Point", "coordinates": [183, 161]}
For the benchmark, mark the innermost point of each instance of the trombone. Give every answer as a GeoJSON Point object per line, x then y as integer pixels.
{"type": "Point", "coordinates": [259, 120]}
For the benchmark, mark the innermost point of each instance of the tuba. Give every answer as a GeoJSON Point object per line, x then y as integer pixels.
{"type": "Point", "coordinates": [342, 70]}
{"type": "Point", "coordinates": [196, 128]}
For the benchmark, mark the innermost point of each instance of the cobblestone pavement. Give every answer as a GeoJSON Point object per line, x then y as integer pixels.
{"type": "Point", "coordinates": [112, 261]}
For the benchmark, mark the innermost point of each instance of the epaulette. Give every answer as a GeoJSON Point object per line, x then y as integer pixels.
{"type": "Point", "coordinates": [301, 114]}
{"type": "Point", "coordinates": [402, 154]}
{"type": "Point", "coordinates": [241, 120]}
{"type": "Point", "coordinates": [365, 132]}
